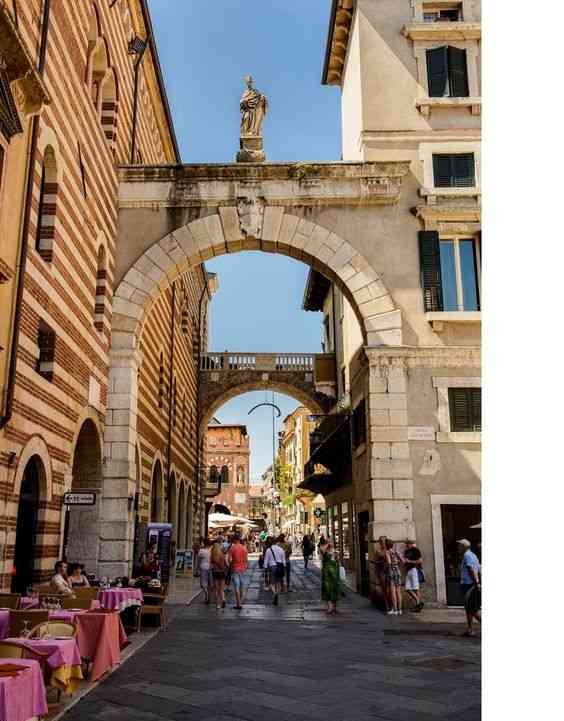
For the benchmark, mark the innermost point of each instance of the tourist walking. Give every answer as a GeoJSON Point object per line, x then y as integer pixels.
{"type": "Point", "coordinates": [307, 549]}
{"type": "Point", "coordinates": [470, 583]}
{"type": "Point", "coordinates": [218, 565]}
{"type": "Point", "coordinates": [413, 570]}
{"type": "Point", "coordinates": [393, 577]}
{"type": "Point", "coordinates": [330, 580]}
{"type": "Point", "coordinates": [380, 552]}
{"type": "Point", "coordinates": [274, 563]}
{"type": "Point", "coordinates": [204, 560]}
{"type": "Point", "coordinates": [287, 548]}
{"type": "Point", "coordinates": [238, 557]}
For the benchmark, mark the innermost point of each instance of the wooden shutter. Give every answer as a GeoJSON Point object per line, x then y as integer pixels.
{"type": "Point", "coordinates": [465, 409]}
{"type": "Point", "coordinates": [437, 69]}
{"type": "Point", "coordinates": [430, 263]}
{"type": "Point", "coordinates": [463, 172]}
{"type": "Point", "coordinates": [442, 171]}
{"type": "Point", "coordinates": [457, 73]}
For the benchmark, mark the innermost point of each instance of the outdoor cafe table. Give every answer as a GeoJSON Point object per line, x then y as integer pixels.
{"type": "Point", "coordinates": [65, 615]}
{"type": "Point", "coordinates": [120, 598]}
{"type": "Point", "coordinates": [101, 637]}
{"type": "Point", "coordinates": [63, 659]}
{"type": "Point", "coordinates": [22, 697]}
{"type": "Point", "coordinates": [27, 602]}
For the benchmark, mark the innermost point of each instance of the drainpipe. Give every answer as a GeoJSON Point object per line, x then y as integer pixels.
{"type": "Point", "coordinates": [171, 398]}
{"type": "Point", "coordinates": [22, 261]}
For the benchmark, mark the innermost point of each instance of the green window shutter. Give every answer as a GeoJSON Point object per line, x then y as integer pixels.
{"type": "Point", "coordinates": [437, 70]}
{"type": "Point", "coordinates": [465, 409]}
{"type": "Point", "coordinates": [442, 171]}
{"type": "Point", "coordinates": [457, 73]}
{"type": "Point", "coordinates": [430, 264]}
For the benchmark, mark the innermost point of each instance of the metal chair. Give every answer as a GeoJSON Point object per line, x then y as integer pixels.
{"type": "Point", "coordinates": [18, 620]}
{"type": "Point", "coordinates": [10, 600]}
{"type": "Point", "coordinates": [53, 628]}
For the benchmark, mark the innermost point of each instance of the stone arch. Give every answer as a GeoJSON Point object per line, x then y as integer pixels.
{"type": "Point", "coordinates": [90, 414]}
{"type": "Point", "coordinates": [240, 389]}
{"type": "Point", "coordinates": [280, 232]}
{"type": "Point", "coordinates": [81, 541]}
{"type": "Point", "coordinates": [172, 501]}
{"type": "Point", "coordinates": [37, 447]}
{"type": "Point", "coordinates": [189, 517]}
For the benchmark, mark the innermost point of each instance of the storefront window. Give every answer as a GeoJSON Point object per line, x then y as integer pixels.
{"type": "Point", "coordinates": [346, 535]}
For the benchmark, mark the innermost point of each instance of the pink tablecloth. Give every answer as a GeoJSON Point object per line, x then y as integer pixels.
{"type": "Point", "coordinates": [62, 652]}
{"type": "Point", "coordinates": [120, 598]}
{"type": "Point", "coordinates": [65, 615]}
{"type": "Point", "coordinates": [22, 697]}
{"type": "Point", "coordinates": [100, 638]}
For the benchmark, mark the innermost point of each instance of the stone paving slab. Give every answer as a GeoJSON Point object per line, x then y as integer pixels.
{"type": "Point", "coordinates": [289, 663]}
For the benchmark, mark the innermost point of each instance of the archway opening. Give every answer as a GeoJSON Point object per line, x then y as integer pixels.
{"type": "Point", "coordinates": [182, 518]}
{"type": "Point", "coordinates": [157, 493]}
{"type": "Point", "coordinates": [189, 519]}
{"type": "Point", "coordinates": [26, 554]}
{"type": "Point", "coordinates": [81, 538]}
{"type": "Point", "coordinates": [172, 509]}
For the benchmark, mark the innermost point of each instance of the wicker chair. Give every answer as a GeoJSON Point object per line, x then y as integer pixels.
{"type": "Point", "coordinates": [18, 619]}
{"type": "Point", "coordinates": [82, 603]}
{"type": "Point", "coordinates": [153, 605]}
{"type": "Point", "coordinates": [53, 628]}
{"type": "Point", "coordinates": [88, 593]}
{"type": "Point", "coordinates": [10, 600]}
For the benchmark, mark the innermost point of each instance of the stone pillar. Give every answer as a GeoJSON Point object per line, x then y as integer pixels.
{"type": "Point", "coordinates": [391, 471]}
{"type": "Point", "coordinates": [120, 437]}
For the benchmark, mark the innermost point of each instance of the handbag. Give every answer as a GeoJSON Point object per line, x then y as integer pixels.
{"type": "Point", "coordinates": [261, 561]}
{"type": "Point", "coordinates": [421, 574]}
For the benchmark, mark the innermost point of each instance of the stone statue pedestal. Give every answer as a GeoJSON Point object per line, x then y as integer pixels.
{"type": "Point", "coordinates": [251, 150]}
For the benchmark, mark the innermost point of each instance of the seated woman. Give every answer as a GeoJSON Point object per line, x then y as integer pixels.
{"type": "Point", "coordinates": [76, 576]}
{"type": "Point", "coordinates": [59, 580]}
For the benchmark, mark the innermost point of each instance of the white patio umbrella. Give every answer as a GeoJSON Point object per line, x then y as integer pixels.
{"type": "Point", "coordinates": [478, 525]}
{"type": "Point", "coordinates": [226, 520]}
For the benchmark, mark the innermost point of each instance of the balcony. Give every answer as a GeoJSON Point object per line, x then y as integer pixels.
{"type": "Point", "coordinates": [329, 465]}
{"type": "Point", "coordinates": [442, 31]}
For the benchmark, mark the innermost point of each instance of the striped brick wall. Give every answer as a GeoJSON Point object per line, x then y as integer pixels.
{"type": "Point", "coordinates": [69, 283]}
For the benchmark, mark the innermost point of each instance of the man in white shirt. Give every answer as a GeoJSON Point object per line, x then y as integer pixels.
{"type": "Point", "coordinates": [59, 580]}
{"type": "Point", "coordinates": [275, 561]}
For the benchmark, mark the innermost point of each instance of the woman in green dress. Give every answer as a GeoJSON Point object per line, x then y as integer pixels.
{"type": "Point", "coordinates": [330, 581]}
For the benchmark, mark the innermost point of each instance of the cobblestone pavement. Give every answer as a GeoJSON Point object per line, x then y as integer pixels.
{"type": "Point", "coordinates": [289, 663]}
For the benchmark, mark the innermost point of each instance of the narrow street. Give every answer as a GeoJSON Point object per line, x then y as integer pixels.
{"type": "Point", "coordinates": [290, 663]}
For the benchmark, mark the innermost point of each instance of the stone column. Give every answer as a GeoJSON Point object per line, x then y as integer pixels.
{"type": "Point", "coordinates": [120, 436]}
{"type": "Point", "coordinates": [391, 471]}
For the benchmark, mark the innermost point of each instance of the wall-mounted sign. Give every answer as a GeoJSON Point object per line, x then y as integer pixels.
{"type": "Point", "coordinates": [319, 512]}
{"type": "Point", "coordinates": [86, 498]}
{"type": "Point", "coordinates": [421, 433]}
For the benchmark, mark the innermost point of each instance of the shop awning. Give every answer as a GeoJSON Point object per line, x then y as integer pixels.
{"type": "Point", "coordinates": [320, 483]}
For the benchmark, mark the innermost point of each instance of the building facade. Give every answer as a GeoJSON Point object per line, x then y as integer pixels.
{"type": "Point", "coordinates": [81, 93]}
{"type": "Point", "coordinates": [227, 454]}
{"type": "Point", "coordinates": [409, 73]}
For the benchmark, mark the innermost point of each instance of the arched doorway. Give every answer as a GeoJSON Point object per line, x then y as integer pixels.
{"type": "Point", "coordinates": [172, 509]}
{"type": "Point", "coordinates": [25, 554]}
{"type": "Point", "coordinates": [181, 536]}
{"type": "Point", "coordinates": [82, 528]}
{"type": "Point", "coordinates": [157, 493]}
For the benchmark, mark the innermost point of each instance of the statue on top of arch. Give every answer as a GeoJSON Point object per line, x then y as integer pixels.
{"type": "Point", "coordinates": [253, 106]}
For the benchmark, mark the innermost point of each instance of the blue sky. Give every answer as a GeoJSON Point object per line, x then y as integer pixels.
{"type": "Point", "coordinates": [206, 49]}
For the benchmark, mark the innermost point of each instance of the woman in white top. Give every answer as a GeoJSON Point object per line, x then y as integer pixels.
{"type": "Point", "coordinates": [204, 555]}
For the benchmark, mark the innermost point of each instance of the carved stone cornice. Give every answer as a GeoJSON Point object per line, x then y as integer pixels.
{"type": "Point", "coordinates": [442, 31]}
{"type": "Point", "coordinates": [337, 41]}
{"type": "Point", "coordinates": [29, 90]}
{"type": "Point", "coordinates": [450, 218]}
{"type": "Point", "coordinates": [283, 184]}
{"type": "Point", "coordinates": [424, 357]}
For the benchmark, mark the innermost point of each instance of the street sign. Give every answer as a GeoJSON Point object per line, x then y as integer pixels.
{"type": "Point", "coordinates": [318, 512]}
{"type": "Point", "coordinates": [87, 498]}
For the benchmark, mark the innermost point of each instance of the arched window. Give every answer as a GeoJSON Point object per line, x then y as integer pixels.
{"type": "Point", "coordinates": [174, 404]}
{"type": "Point", "coordinates": [46, 340]}
{"type": "Point", "coordinates": [100, 302]}
{"type": "Point", "coordinates": [224, 475]}
{"type": "Point", "coordinates": [161, 382]}
{"type": "Point", "coordinates": [109, 109]}
{"type": "Point", "coordinates": [213, 475]}
{"type": "Point", "coordinates": [47, 210]}
{"type": "Point", "coordinates": [97, 71]}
